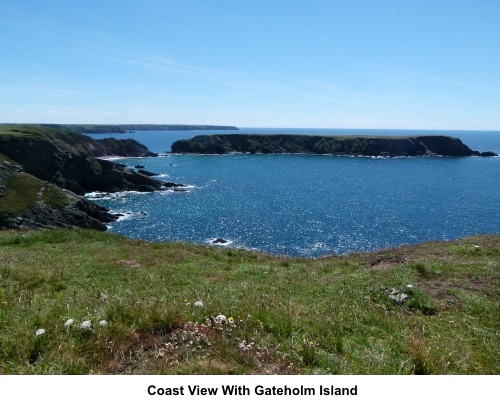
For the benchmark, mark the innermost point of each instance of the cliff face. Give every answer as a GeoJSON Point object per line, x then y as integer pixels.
{"type": "Point", "coordinates": [44, 172]}
{"type": "Point", "coordinates": [27, 202]}
{"type": "Point", "coordinates": [333, 145]}
{"type": "Point", "coordinates": [68, 159]}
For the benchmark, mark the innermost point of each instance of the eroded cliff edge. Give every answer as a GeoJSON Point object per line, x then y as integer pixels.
{"type": "Point", "coordinates": [329, 145]}
{"type": "Point", "coordinates": [45, 172]}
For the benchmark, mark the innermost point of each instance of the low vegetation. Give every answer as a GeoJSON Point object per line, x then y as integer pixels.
{"type": "Point", "coordinates": [23, 191]}
{"type": "Point", "coordinates": [79, 302]}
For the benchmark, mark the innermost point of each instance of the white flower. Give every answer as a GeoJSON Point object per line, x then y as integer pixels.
{"type": "Point", "coordinates": [198, 304]}
{"type": "Point", "coordinates": [68, 323]}
{"type": "Point", "coordinates": [410, 286]}
{"type": "Point", "coordinates": [103, 323]}
{"type": "Point", "coordinates": [39, 332]}
{"type": "Point", "coordinates": [220, 319]}
{"type": "Point", "coordinates": [243, 346]}
{"type": "Point", "coordinates": [85, 325]}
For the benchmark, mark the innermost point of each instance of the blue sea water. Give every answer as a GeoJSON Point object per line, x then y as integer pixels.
{"type": "Point", "coordinates": [310, 206]}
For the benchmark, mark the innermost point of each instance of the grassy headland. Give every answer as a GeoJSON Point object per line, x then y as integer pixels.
{"type": "Point", "coordinates": [282, 315]}
{"type": "Point", "coordinates": [124, 128]}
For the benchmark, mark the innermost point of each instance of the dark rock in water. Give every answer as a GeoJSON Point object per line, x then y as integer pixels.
{"type": "Point", "coordinates": [484, 154]}
{"type": "Point", "coordinates": [146, 173]}
{"type": "Point", "coordinates": [219, 241]}
{"type": "Point", "coordinates": [139, 167]}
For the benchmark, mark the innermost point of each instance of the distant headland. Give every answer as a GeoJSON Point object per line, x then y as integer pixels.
{"type": "Point", "coordinates": [385, 146]}
{"type": "Point", "coordinates": [127, 128]}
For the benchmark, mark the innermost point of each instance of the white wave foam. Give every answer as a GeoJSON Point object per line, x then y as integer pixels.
{"type": "Point", "coordinates": [320, 245]}
{"type": "Point", "coordinates": [120, 157]}
{"type": "Point", "coordinates": [96, 195]}
{"type": "Point", "coordinates": [123, 216]}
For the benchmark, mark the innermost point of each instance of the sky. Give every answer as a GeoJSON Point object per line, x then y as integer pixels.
{"type": "Point", "coordinates": [399, 64]}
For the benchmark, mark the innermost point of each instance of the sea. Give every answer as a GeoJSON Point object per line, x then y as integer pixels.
{"type": "Point", "coordinates": [310, 206]}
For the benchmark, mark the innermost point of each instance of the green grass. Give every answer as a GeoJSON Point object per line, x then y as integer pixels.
{"type": "Point", "coordinates": [285, 315]}
{"type": "Point", "coordinates": [23, 191]}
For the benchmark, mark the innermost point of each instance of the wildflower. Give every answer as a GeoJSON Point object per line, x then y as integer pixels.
{"type": "Point", "coordinates": [410, 286]}
{"type": "Point", "coordinates": [244, 346]}
{"type": "Point", "coordinates": [85, 325]}
{"type": "Point", "coordinates": [220, 319]}
{"type": "Point", "coordinates": [4, 302]}
{"type": "Point", "coordinates": [198, 304]}
{"type": "Point", "coordinates": [103, 323]}
{"type": "Point", "coordinates": [68, 323]}
{"type": "Point", "coordinates": [39, 332]}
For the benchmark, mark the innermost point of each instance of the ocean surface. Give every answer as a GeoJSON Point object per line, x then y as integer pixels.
{"type": "Point", "coordinates": [311, 206]}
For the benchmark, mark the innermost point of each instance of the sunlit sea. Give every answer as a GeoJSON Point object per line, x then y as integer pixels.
{"type": "Point", "coordinates": [311, 206]}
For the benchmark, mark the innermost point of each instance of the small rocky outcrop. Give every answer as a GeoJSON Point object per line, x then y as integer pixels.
{"type": "Point", "coordinates": [147, 173]}
{"type": "Point", "coordinates": [219, 241]}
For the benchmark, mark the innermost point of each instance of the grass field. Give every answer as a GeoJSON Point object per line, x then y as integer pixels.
{"type": "Point", "coordinates": [177, 308]}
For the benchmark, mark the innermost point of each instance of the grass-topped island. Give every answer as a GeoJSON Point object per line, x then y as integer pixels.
{"type": "Point", "coordinates": [389, 146]}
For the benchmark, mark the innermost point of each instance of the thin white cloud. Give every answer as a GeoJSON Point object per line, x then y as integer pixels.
{"type": "Point", "coordinates": [96, 17]}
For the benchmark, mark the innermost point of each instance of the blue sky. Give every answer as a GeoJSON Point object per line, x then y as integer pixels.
{"type": "Point", "coordinates": [426, 64]}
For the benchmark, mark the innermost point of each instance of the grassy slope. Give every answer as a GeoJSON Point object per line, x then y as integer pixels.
{"type": "Point", "coordinates": [23, 191]}
{"type": "Point", "coordinates": [327, 315]}
{"type": "Point", "coordinates": [68, 141]}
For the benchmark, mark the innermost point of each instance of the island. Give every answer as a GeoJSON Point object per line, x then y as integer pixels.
{"type": "Point", "coordinates": [45, 172]}
{"type": "Point", "coordinates": [385, 146]}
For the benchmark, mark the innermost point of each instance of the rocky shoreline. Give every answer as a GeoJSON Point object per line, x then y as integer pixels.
{"type": "Point", "coordinates": [45, 172]}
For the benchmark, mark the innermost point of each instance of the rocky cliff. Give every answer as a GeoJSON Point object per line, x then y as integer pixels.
{"type": "Point", "coordinates": [27, 202]}
{"type": "Point", "coordinates": [68, 159]}
{"type": "Point", "coordinates": [44, 172]}
{"type": "Point", "coordinates": [332, 145]}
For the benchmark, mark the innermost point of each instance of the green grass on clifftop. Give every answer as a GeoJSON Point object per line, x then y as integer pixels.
{"type": "Point", "coordinates": [331, 315]}
{"type": "Point", "coordinates": [23, 191]}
